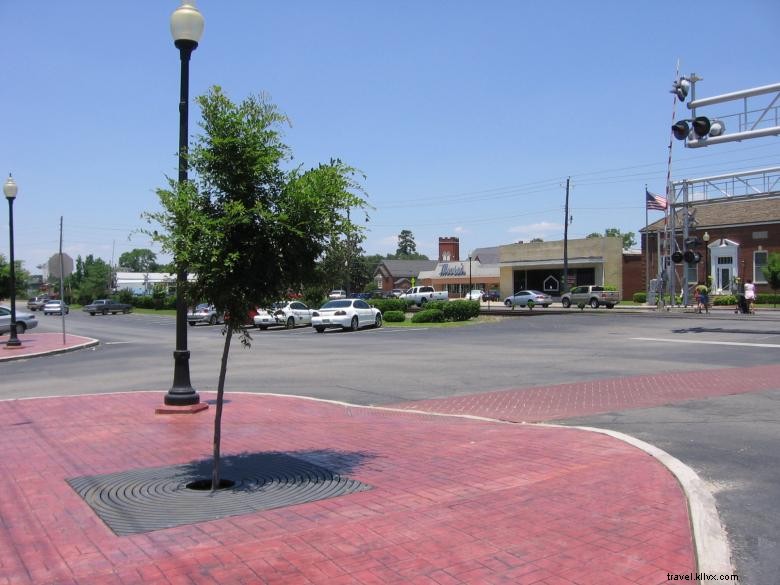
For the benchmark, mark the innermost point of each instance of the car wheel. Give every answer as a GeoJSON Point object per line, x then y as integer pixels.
{"type": "Point", "coordinates": [353, 326]}
{"type": "Point", "coordinates": [610, 306]}
{"type": "Point", "coordinates": [566, 302]}
{"type": "Point", "coordinates": [45, 313]}
{"type": "Point", "coordinates": [378, 321]}
{"type": "Point", "coordinates": [290, 323]}
{"type": "Point", "coordinates": [320, 329]}
{"type": "Point", "coordinates": [545, 306]}
{"type": "Point", "coordinates": [91, 313]}
{"type": "Point", "coordinates": [192, 323]}
{"type": "Point", "coordinates": [21, 327]}
{"type": "Point", "coordinates": [213, 320]}
{"type": "Point", "coordinates": [594, 303]}
{"type": "Point", "coordinates": [507, 303]}
{"type": "Point", "coordinates": [263, 327]}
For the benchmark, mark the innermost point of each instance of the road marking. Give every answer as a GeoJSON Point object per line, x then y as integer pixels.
{"type": "Point", "coordinates": [116, 342]}
{"type": "Point", "coordinates": [701, 341]}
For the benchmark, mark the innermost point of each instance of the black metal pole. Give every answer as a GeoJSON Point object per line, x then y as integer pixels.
{"type": "Point", "coordinates": [182, 393]}
{"type": "Point", "coordinates": [13, 340]}
{"type": "Point", "coordinates": [565, 286]}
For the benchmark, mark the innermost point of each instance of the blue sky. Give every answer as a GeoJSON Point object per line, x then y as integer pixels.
{"type": "Point", "coordinates": [466, 117]}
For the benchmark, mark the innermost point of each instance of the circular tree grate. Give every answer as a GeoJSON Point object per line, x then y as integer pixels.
{"type": "Point", "coordinates": [143, 500]}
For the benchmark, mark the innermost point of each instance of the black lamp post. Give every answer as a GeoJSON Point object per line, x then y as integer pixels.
{"type": "Point", "coordinates": [470, 277]}
{"type": "Point", "coordinates": [10, 189]}
{"type": "Point", "coordinates": [706, 239]}
{"type": "Point", "coordinates": [186, 28]}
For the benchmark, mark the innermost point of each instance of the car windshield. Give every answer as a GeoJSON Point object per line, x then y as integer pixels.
{"type": "Point", "coordinates": [340, 304]}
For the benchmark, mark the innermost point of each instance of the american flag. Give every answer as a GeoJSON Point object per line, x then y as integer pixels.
{"type": "Point", "coordinates": [655, 201]}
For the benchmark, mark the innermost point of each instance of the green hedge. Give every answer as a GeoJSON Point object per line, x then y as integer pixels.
{"type": "Point", "coordinates": [387, 305]}
{"type": "Point", "coordinates": [639, 297]}
{"type": "Point", "coordinates": [394, 316]}
{"type": "Point", "coordinates": [461, 310]}
{"type": "Point", "coordinates": [429, 316]}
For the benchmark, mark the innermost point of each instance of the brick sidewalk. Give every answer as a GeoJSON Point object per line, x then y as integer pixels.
{"type": "Point", "coordinates": [37, 344]}
{"type": "Point", "coordinates": [452, 501]}
{"type": "Point", "coordinates": [561, 401]}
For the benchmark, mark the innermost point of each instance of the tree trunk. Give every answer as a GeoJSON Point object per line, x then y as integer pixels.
{"type": "Point", "coordinates": [218, 415]}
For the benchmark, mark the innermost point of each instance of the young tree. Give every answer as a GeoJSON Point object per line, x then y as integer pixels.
{"type": "Point", "coordinates": [21, 277]}
{"type": "Point", "coordinates": [247, 229]}
{"type": "Point", "coordinates": [772, 273]}
{"type": "Point", "coordinates": [629, 238]}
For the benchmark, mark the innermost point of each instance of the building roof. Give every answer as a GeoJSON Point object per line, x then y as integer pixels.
{"type": "Point", "coordinates": [728, 212]}
{"type": "Point", "coordinates": [487, 255]}
{"type": "Point", "coordinates": [404, 268]}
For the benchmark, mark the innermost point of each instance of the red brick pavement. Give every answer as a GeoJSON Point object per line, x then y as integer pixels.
{"type": "Point", "coordinates": [453, 501]}
{"type": "Point", "coordinates": [35, 344]}
{"type": "Point", "coordinates": [598, 396]}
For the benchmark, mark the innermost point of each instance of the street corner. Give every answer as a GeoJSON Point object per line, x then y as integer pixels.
{"type": "Point", "coordinates": [41, 344]}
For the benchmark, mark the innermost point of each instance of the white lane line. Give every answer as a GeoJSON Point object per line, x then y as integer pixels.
{"type": "Point", "coordinates": [701, 341]}
{"type": "Point", "coordinates": [117, 342]}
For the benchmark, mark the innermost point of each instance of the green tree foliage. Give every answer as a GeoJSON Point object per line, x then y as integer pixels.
{"type": "Point", "coordinates": [629, 238]}
{"type": "Point", "coordinates": [406, 245]}
{"type": "Point", "coordinates": [245, 227]}
{"type": "Point", "coordinates": [139, 260]}
{"type": "Point", "coordinates": [772, 272]}
{"type": "Point", "coordinates": [90, 280]}
{"type": "Point", "coordinates": [21, 277]}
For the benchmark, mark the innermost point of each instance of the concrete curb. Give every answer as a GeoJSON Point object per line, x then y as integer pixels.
{"type": "Point", "coordinates": [52, 351]}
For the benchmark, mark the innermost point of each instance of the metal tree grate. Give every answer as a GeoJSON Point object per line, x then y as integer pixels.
{"type": "Point", "coordinates": [144, 500]}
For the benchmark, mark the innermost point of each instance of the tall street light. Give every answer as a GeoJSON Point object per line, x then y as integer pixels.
{"type": "Point", "coordinates": [706, 238]}
{"type": "Point", "coordinates": [10, 190]}
{"type": "Point", "coordinates": [186, 29]}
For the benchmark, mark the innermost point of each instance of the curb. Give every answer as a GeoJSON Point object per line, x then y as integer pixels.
{"type": "Point", "coordinates": [52, 351]}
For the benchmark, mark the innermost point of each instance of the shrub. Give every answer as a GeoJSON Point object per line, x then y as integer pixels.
{"type": "Point", "coordinates": [640, 297]}
{"type": "Point", "coordinates": [461, 310]}
{"type": "Point", "coordinates": [767, 299]}
{"type": "Point", "coordinates": [721, 300]}
{"type": "Point", "coordinates": [394, 316]}
{"type": "Point", "coordinates": [610, 287]}
{"type": "Point", "coordinates": [388, 305]}
{"type": "Point", "coordinates": [428, 316]}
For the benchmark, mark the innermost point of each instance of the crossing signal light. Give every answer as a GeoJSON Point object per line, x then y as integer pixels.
{"type": "Point", "coordinates": [702, 127]}
{"type": "Point", "coordinates": [691, 257]}
{"type": "Point", "coordinates": [680, 130]}
{"type": "Point", "coordinates": [677, 257]}
{"type": "Point", "coordinates": [680, 88]}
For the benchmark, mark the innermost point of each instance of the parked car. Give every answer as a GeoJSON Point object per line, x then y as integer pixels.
{"type": "Point", "coordinates": [491, 295]}
{"type": "Point", "coordinates": [204, 313]}
{"type": "Point", "coordinates": [106, 306]}
{"type": "Point", "coordinates": [337, 293]}
{"type": "Point", "coordinates": [287, 313]}
{"type": "Point", "coordinates": [36, 303]}
{"type": "Point", "coordinates": [474, 295]}
{"type": "Point", "coordinates": [55, 307]}
{"type": "Point", "coordinates": [397, 292]}
{"type": "Point", "coordinates": [351, 314]}
{"type": "Point", "coordinates": [528, 298]}
{"type": "Point", "coordinates": [24, 320]}
{"type": "Point", "coordinates": [360, 295]}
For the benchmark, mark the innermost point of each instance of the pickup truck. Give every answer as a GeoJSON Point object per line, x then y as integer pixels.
{"type": "Point", "coordinates": [419, 295]}
{"type": "Point", "coordinates": [106, 306]}
{"type": "Point", "coordinates": [592, 295]}
{"type": "Point", "coordinates": [36, 303]}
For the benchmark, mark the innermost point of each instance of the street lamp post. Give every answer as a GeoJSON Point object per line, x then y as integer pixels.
{"type": "Point", "coordinates": [10, 189]}
{"type": "Point", "coordinates": [186, 29]}
{"type": "Point", "coordinates": [469, 276]}
{"type": "Point", "coordinates": [706, 239]}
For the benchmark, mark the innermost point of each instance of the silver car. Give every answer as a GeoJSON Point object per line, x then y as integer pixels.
{"type": "Point", "coordinates": [528, 298]}
{"type": "Point", "coordinates": [24, 320]}
{"type": "Point", "coordinates": [55, 307]}
{"type": "Point", "coordinates": [204, 313]}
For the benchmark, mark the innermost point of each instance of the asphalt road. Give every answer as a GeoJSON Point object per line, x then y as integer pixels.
{"type": "Point", "coordinates": [730, 441]}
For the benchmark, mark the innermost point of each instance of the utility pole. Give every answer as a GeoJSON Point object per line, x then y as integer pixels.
{"type": "Point", "coordinates": [565, 286]}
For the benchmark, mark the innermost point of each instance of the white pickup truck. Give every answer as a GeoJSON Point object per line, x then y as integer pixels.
{"type": "Point", "coordinates": [419, 295]}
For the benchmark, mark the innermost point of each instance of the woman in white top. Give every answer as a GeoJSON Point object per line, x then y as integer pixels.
{"type": "Point", "coordinates": [750, 295]}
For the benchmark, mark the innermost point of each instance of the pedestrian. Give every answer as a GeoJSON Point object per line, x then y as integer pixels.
{"type": "Point", "coordinates": [750, 296]}
{"type": "Point", "coordinates": [702, 298]}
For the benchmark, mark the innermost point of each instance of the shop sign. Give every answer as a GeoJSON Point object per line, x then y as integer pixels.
{"type": "Point", "coordinates": [455, 270]}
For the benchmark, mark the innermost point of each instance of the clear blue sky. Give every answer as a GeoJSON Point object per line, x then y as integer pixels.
{"type": "Point", "coordinates": [466, 117]}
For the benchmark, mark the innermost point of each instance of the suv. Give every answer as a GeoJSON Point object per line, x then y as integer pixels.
{"type": "Point", "coordinates": [337, 294]}
{"type": "Point", "coordinates": [36, 303]}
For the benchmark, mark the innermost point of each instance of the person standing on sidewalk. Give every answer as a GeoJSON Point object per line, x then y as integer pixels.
{"type": "Point", "coordinates": [750, 296]}
{"type": "Point", "coordinates": [702, 298]}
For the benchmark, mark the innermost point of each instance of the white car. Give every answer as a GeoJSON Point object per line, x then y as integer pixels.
{"type": "Point", "coordinates": [287, 313]}
{"type": "Point", "coordinates": [337, 294]}
{"type": "Point", "coordinates": [351, 314]}
{"type": "Point", "coordinates": [474, 295]}
{"type": "Point", "coordinates": [55, 307]}
{"type": "Point", "coordinates": [24, 320]}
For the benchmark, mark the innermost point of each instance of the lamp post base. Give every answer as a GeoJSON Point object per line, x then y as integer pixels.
{"type": "Point", "coordinates": [181, 393]}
